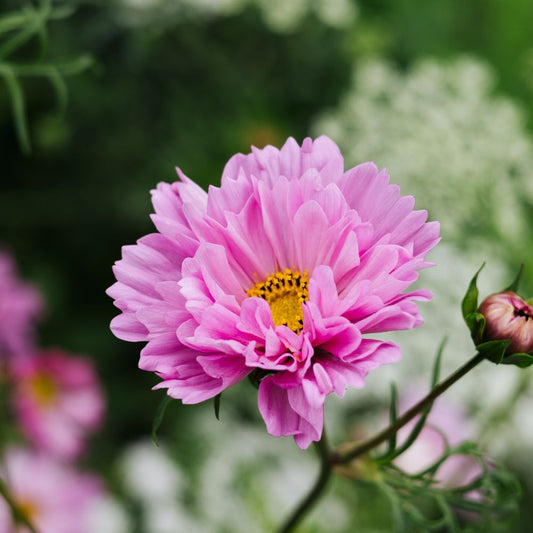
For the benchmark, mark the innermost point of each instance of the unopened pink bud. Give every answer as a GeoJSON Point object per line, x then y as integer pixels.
{"type": "Point", "coordinates": [508, 316]}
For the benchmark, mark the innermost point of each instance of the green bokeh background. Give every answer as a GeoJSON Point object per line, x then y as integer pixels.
{"type": "Point", "coordinates": [191, 92]}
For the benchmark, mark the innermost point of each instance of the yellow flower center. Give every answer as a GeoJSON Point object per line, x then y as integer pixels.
{"type": "Point", "coordinates": [44, 389]}
{"type": "Point", "coordinates": [28, 510]}
{"type": "Point", "coordinates": [285, 292]}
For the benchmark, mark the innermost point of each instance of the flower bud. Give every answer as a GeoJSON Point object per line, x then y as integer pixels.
{"type": "Point", "coordinates": [508, 316]}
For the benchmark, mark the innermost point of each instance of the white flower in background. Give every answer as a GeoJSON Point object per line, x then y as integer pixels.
{"type": "Point", "coordinates": [283, 16]}
{"type": "Point", "coordinates": [149, 473]}
{"type": "Point", "coordinates": [251, 482]}
{"type": "Point", "coordinates": [445, 138]}
{"type": "Point", "coordinates": [106, 515]}
{"type": "Point", "coordinates": [336, 13]}
{"type": "Point", "coordinates": [286, 15]}
{"type": "Point", "coordinates": [248, 482]}
{"type": "Point", "coordinates": [154, 479]}
{"type": "Point", "coordinates": [279, 15]}
{"type": "Point", "coordinates": [165, 12]}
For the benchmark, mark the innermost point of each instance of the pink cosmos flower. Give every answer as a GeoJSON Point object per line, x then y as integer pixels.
{"type": "Point", "coordinates": [20, 306]}
{"type": "Point", "coordinates": [57, 401]}
{"type": "Point", "coordinates": [279, 272]}
{"type": "Point", "coordinates": [53, 496]}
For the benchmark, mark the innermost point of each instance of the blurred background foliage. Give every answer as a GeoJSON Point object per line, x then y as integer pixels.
{"type": "Point", "coordinates": [190, 83]}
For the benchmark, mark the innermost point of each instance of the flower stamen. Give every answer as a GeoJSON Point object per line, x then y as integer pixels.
{"type": "Point", "coordinates": [285, 292]}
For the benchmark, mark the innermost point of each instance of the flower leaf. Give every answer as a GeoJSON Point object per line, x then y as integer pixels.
{"type": "Point", "coordinates": [523, 360]}
{"type": "Point", "coordinates": [514, 285]}
{"type": "Point", "coordinates": [393, 413]}
{"type": "Point", "coordinates": [437, 364]}
{"type": "Point", "coordinates": [426, 505]}
{"type": "Point", "coordinates": [216, 404]}
{"type": "Point", "coordinates": [159, 414]}
{"type": "Point", "coordinates": [476, 324]}
{"type": "Point", "coordinates": [495, 350]}
{"type": "Point", "coordinates": [469, 303]}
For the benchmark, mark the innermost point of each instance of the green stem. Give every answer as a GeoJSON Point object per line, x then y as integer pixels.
{"type": "Point", "coordinates": [329, 458]}
{"type": "Point", "coordinates": [388, 432]}
{"type": "Point", "coordinates": [312, 497]}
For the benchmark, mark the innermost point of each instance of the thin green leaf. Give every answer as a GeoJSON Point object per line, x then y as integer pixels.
{"type": "Point", "coordinates": [21, 37]}
{"type": "Point", "coordinates": [469, 303]}
{"type": "Point", "coordinates": [514, 285]}
{"type": "Point", "coordinates": [62, 12]}
{"type": "Point", "coordinates": [216, 404]}
{"type": "Point", "coordinates": [18, 107]}
{"type": "Point", "coordinates": [60, 89]}
{"type": "Point", "coordinates": [449, 519]}
{"type": "Point", "coordinates": [12, 21]}
{"type": "Point", "coordinates": [393, 413]}
{"type": "Point", "coordinates": [397, 514]}
{"type": "Point", "coordinates": [159, 414]}
{"type": "Point", "coordinates": [65, 68]}
{"type": "Point", "coordinates": [435, 374]}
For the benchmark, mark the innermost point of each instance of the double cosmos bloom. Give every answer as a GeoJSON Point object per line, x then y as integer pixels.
{"type": "Point", "coordinates": [282, 272]}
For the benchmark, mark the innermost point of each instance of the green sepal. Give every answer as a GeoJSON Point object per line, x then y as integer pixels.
{"type": "Point", "coordinates": [476, 325]}
{"type": "Point", "coordinates": [522, 360]}
{"type": "Point", "coordinates": [469, 303]}
{"type": "Point", "coordinates": [158, 418]}
{"type": "Point", "coordinates": [514, 285]}
{"type": "Point", "coordinates": [494, 350]}
{"type": "Point", "coordinates": [216, 405]}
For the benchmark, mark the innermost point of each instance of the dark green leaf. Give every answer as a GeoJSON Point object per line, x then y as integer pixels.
{"type": "Point", "coordinates": [18, 106]}
{"type": "Point", "coordinates": [391, 453]}
{"type": "Point", "coordinates": [437, 364]}
{"type": "Point", "coordinates": [494, 350]}
{"type": "Point", "coordinates": [216, 404]}
{"type": "Point", "coordinates": [469, 303]}
{"type": "Point", "coordinates": [476, 325]}
{"type": "Point", "coordinates": [523, 360]}
{"type": "Point", "coordinates": [159, 414]}
{"type": "Point", "coordinates": [393, 413]}
{"type": "Point", "coordinates": [514, 285]}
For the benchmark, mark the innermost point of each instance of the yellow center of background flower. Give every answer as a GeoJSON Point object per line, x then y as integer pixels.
{"type": "Point", "coordinates": [27, 510]}
{"type": "Point", "coordinates": [44, 389]}
{"type": "Point", "coordinates": [285, 292]}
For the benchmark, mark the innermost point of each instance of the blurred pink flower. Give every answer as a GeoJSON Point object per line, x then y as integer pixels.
{"type": "Point", "coordinates": [446, 424]}
{"type": "Point", "coordinates": [20, 306]}
{"type": "Point", "coordinates": [57, 400]}
{"type": "Point", "coordinates": [53, 496]}
{"type": "Point", "coordinates": [281, 270]}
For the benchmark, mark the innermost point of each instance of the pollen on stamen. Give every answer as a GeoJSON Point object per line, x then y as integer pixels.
{"type": "Point", "coordinates": [285, 293]}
